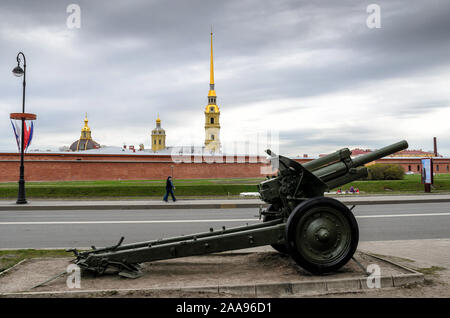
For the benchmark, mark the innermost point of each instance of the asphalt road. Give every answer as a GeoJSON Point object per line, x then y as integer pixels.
{"type": "Point", "coordinates": [83, 228]}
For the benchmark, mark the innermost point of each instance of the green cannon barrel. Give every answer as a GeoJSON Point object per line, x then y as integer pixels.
{"type": "Point", "coordinates": [380, 153]}
{"type": "Point", "coordinates": [352, 175]}
{"type": "Point", "coordinates": [331, 172]}
{"type": "Point", "coordinates": [328, 159]}
{"type": "Point", "coordinates": [340, 172]}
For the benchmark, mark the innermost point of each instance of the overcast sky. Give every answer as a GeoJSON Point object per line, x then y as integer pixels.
{"type": "Point", "coordinates": [313, 70]}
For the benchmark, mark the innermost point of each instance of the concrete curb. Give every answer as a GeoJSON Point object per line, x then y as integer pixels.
{"type": "Point", "coordinates": [374, 202]}
{"type": "Point", "coordinates": [204, 205]}
{"type": "Point", "coordinates": [281, 289]}
{"type": "Point", "coordinates": [132, 206]}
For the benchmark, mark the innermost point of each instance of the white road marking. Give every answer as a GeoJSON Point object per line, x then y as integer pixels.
{"type": "Point", "coordinates": [401, 215]}
{"type": "Point", "coordinates": [203, 221]}
{"type": "Point", "coordinates": [126, 222]}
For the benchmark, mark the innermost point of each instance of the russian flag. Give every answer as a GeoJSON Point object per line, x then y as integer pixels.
{"type": "Point", "coordinates": [16, 134]}
{"type": "Point", "coordinates": [28, 135]}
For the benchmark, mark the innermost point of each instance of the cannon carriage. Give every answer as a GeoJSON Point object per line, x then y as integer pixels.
{"type": "Point", "coordinates": [320, 233]}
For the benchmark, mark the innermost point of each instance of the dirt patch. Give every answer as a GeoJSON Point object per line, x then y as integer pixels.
{"type": "Point", "coordinates": [223, 269]}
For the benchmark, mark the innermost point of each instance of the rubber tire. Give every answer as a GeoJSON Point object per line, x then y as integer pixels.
{"type": "Point", "coordinates": [291, 229]}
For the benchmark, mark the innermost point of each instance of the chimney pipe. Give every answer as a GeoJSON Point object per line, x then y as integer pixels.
{"type": "Point", "coordinates": [435, 147]}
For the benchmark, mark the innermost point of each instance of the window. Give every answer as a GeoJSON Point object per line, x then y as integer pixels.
{"type": "Point", "coordinates": [418, 168]}
{"type": "Point", "coordinates": [437, 167]}
{"type": "Point", "coordinates": [212, 120]}
{"type": "Point", "coordinates": [409, 168]}
{"type": "Point", "coordinates": [154, 141]}
{"type": "Point", "coordinates": [211, 109]}
{"type": "Point", "coordinates": [212, 137]}
{"type": "Point", "coordinates": [160, 141]}
{"type": "Point", "coordinates": [447, 168]}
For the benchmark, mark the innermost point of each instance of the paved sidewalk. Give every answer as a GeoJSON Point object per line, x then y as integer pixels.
{"type": "Point", "coordinates": [430, 256]}
{"type": "Point", "coordinates": [425, 253]}
{"type": "Point", "coordinates": [206, 204]}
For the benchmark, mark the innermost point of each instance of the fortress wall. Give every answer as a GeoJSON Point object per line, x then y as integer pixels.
{"type": "Point", "coordinates": [78, 167]}
{"type": "Point", "coordinates": [69, 167]}
{"type": "Point", "coordinates": [440, 165]}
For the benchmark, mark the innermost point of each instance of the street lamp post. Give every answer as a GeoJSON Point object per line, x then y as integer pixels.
{"type": "Point", "coordinates": [18, 71]}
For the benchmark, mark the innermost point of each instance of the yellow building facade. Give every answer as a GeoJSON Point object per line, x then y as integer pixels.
{"type": "Point", "coordinates": [158, 137]}
{"type": "Point", "coordinates": [212, 113]}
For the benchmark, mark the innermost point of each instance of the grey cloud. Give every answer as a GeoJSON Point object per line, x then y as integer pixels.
{"type": "Point", "coordinates": [325, 140]}
{"type": "Point", "coordinates": [123, 42]}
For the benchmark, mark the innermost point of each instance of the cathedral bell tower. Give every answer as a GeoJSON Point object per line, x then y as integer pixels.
{"type": "Point", "coordinates": [212, 113]}
{"type": "Point", "coordinates": [158, 137]}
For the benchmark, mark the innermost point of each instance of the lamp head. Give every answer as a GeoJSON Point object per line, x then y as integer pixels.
{"type": "Point", "coordinates": [18, 71]}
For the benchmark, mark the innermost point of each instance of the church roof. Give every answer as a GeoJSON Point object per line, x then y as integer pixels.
{"type": "Point", "coordinates": [208, 108]}
{"type": "Point", "coordinates": [158, 131]}
{"type": "Point", "coordinates": [84, 144]}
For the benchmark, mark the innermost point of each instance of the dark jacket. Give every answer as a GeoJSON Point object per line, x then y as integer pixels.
{"type": "Point", "coordinates": [169, 184]}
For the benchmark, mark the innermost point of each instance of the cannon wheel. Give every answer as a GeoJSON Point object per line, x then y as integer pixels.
{"type": "Point", "coordinates": [281, 248]}
{"type": "Point", "coordinates": [322, 235]}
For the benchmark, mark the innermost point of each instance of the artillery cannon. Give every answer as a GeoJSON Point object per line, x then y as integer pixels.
{"type": "Point", "coordinates": [320, 233]}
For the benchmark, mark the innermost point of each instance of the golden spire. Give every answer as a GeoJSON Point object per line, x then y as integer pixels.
{"type": "Point", "coordinates": [211, 76]}
{"type": "Point", "coordinates": [212, 92]}
{"type": "Point", "coordinates": [85, 131]}
{"type": "Point", "coordinates": [158, 121]}
{"type": "Point", "coordinates": [86, 127]}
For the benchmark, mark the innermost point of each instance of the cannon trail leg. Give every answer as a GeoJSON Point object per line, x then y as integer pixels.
{"type": "Point", "coordinates": [127, 257]}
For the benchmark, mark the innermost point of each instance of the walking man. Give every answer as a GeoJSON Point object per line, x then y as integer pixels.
{"type": "Point", "coordinates": [169, 189]}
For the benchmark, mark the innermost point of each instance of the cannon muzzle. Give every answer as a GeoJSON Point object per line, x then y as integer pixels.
{"type": "Point", "coordinates": [338, 168]}
{"type": "Point", "coordinates": [380, 153]}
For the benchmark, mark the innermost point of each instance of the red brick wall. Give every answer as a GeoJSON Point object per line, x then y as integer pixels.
{"type": "Point", "coordinates": [440, 165]}
{"type": "Point", "coordinates": [65, 167]}
{"type": "Point", "coordinates": [68, 167]}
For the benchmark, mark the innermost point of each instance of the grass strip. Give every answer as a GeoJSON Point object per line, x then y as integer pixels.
{"type": "Point", "coordinates": [58, 191]}
{"type": "Point", "coordinates": [9, 258]}
{"type": "Point", "coordinates": [199, 188]}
